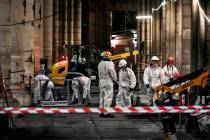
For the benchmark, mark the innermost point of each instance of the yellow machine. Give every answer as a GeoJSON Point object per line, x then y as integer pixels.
{"type": "Point", "coordinates": [198, 78]}
{"type": "Point", "coordinates": [81, 58]}
{"type": "Point", "coordinates": [59, 71]}
{"type": "Point", "coordinates": [124, 55]}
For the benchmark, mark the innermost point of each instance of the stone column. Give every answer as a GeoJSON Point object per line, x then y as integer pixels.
{"type": "Point", "coordinates": [48, 31]}
{"type": "Point", "coordinates": [38, 47]}
{"type": "Point", "coordinates": [186, 35]}
{"type": "Point", "coordinates": [22, 38]}
{"type": "Point", "coordinates": [76, 19]}
{"type": "Point", "coordinates": [55, 30]}
{"type": "Point", "coordinates": [208, 36]}
{"type": "Point", "coordinates": [5, 38]}
{"type": "Point", "coordinates": [143, 35]}
{"type": "Point", "coordinates": [201, 62]}
{"type": "Point", "coordinates": [163, 35]}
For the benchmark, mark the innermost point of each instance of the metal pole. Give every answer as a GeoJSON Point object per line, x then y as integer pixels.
{"type": "Point", "coordinates": [68, 95]}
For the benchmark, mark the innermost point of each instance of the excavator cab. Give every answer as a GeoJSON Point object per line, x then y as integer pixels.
{"type": "Point", "coordinates": [82, 59]}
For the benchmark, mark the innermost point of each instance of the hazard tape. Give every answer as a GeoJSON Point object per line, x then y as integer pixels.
{"type": "Point", "coordinates": [143, 109]}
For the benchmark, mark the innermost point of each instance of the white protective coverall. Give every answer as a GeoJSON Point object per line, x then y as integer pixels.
{"type": "Point", "coordinates": [127, 81]}
{"type": "Point", "coordinates": [40, 81]}
{"type": "Point", "coordinates": [107, 75]}
{"type": "Point", "coordinates": [154, 77]}
{"type": "Point", "coordinates": [83, 82]}
{"type": "Point", "coordinates": [169, 72]}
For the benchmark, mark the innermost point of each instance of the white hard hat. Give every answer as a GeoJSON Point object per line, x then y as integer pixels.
{"type": "Point", "coordinates": [50, 85]}
{"type": "Point", "coordinates": [154, 58]}
{"type": "Point", "coordinates": [122, 63]}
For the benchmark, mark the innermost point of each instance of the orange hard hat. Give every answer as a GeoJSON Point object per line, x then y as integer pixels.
{"type": "Point", "coordinates": [171, 59]}
{"type": "Point", "coordinates": [106, 54]}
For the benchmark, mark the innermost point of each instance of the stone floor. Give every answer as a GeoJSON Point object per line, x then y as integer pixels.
{"type": "Point", "coordinates": [90, 126]}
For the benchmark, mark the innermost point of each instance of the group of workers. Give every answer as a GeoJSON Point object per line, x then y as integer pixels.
{"type": "Point", "coordinates": [153, 76]}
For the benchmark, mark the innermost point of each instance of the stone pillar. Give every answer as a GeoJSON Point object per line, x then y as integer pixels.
{"type": "Point", "coordinates": [201, 39]}
{"type": "Point", "coordinates": [148, 30]}
{"type": "Point", "coordinates": [186, 35]}
{"type": "Point", "coordinates": [5, 38]}
{"type": "Point", "coordinates": [208, 36]}
{"type": "Point", "coordinates": [143, 35]}
{"type": "Point", "coordinates": [48, 31]}
{"type": "Point", "coordinates": [163, 34]}
{"type": "Point", "coordinates": [76, 20]}
{"type": "Point", "coordinates": [22, 39]}
{"type": "Point", "coordinates": [157, 30]}
{"type": "Point", "coordinates": [55, 30]}
{"type": "Point", "coordinates": [38, 47]}
{"type": "Point", "coordinates": [22, 42]}
{"type": "Point", "coordinates": [66, 24]}
{"type": "Point", "coordinates": [179, 35]}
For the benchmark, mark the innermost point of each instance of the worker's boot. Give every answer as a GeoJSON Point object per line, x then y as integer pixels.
{"type": "Point", "coordinates": [75, 101]}
{"type": "Point", "coordinates": [38, 103]}
{"type": "Point", "coordinates": [132, 100]}
{"type": "Point", "coordinates": [83, 101]}
{"type": "Point", "coordinates": [171, 137]}
{"type": "Point", "coordinates": [137, 101]}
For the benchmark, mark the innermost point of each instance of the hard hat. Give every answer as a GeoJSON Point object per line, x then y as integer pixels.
{"type": "Point", "coordinates": [177, 75]}
{"type": "Point", "coordinates": [154, 58]}
{"type": "Point", "coordinates": [50, 85]}
{"type": "Point", "coordinates": [171, 59]}
{"type": "Point", "coordinates": [106, 54]}
{"type": "Point", "coordinates": [122, 63]}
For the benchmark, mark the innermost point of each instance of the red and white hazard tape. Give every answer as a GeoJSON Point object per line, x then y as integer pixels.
{"type": "Point", "coordinates": [143, 109]}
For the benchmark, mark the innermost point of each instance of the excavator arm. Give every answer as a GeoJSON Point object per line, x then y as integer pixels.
{"type": "Point", "coordinates": [198, 78]}
{"type": "Point", "coordinates": [124, 55]}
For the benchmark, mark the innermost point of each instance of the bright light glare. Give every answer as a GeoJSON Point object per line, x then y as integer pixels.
{"type": "Point", "coordinates": [163, 3]}
{"type": "Point", "coordinates": [202, 12]}
{"type": "Point", "coordinates": [144, 17]}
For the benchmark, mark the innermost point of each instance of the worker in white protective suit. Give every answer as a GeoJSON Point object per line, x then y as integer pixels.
{"type": "Point", "coordinates": [170, 71]}
{"type": "Point", "coordinates": [107, 75]}
{"type": "Point", "coordinates": [153, 77]}
{"type": "Point", "coordinates": [43, 87]}
{"type": "Point", "coordinates": [82, 82]}
{"type": "Point", "coordinates": [127, 83]}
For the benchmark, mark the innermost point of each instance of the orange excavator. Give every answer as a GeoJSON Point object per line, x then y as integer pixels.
{"type": "Point", "coordinates": [197, 78]}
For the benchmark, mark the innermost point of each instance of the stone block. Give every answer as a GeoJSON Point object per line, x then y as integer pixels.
{"type": "Point", "coordinates": [186, 34]}
{"type": "Point", "coordinates": [185, 69]}
{"type": "Point", "coordinates": [187, 10]}
{"type": "Point", "coordinates": [186, 22]}
{"type": "Point", "coordinates": [187, 2]}
{"type": "Point", "coordinates": [208, 33]}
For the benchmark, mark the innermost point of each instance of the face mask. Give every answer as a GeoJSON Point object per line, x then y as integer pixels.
{"type": "Point", "coordinates": [154, 64]}
{"type": "Point", "coordinates": [123, 67]}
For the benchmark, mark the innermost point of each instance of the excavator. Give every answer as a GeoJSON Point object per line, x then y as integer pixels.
{"type": "Point", "coordinates": [198, 78]}
{"type": "Point", "coordinates": [83, 59]}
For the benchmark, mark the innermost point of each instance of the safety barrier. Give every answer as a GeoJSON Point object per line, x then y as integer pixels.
{"type": "Point", "coordinates": [143, 109]}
